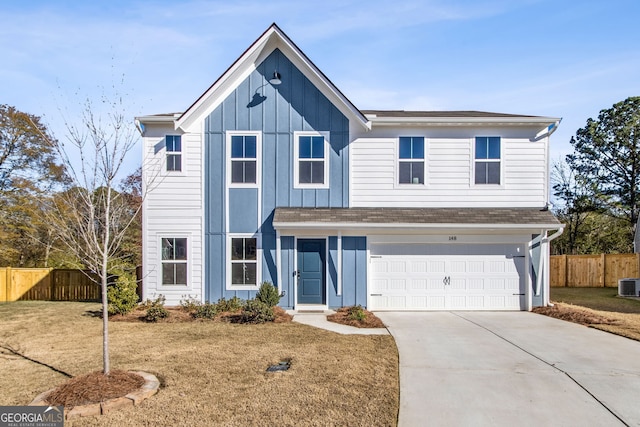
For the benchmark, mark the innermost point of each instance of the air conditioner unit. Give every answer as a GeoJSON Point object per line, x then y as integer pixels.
{"type": "Point", "coordinates": [629, 287]}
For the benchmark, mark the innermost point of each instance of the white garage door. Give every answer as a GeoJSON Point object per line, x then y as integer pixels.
{"type": "Point", "coordinates": [447, 277]}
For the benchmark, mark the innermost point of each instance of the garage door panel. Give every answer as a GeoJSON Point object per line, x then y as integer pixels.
{"type": "Point", "coordinates": [447, 277]}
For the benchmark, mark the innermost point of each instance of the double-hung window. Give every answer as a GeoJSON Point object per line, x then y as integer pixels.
{"type": "Point", "coordinates": [174, 261]}
{"type": "Point", "coordinates": [311, 154]}
{"type": "Point", "coordinates": [173, 144]}
{"type": "Point", "coordinates": [487, 160]}
{"type": "Point", "coordinates": [411, 160]}
{"type": "Point", "coordinates": [244, 154]}
{"type": "Point", "coordinates": [244, 261]}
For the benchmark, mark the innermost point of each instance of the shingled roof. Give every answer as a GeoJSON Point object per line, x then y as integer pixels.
{"type": "Point", "coordinates": [403, 113]}
{"type": "Point", "coordinates": [419, 217]}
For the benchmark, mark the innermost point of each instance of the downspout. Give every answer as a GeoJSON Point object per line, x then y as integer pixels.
{"type": "Point", "coordinates": [542, 271]}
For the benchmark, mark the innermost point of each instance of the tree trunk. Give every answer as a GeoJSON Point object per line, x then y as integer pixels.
{"type": "Point", "coordinates": [105, 302]}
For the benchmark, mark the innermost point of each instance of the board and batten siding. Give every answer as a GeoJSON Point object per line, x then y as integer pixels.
{"type": "Point", "coordinates": [449, 180]}
{"type": "Point", "coordinates": [276, 113]}
{"type": "Point", "coordinates": [172, 207]}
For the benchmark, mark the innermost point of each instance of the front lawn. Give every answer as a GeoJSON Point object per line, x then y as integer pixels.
{"type": "Point", "coordinates": [599, 308]}
{"type": "Point", "coordinates": [212, 373]}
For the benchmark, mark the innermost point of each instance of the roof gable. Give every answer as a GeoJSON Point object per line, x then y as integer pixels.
{"type": "Point", "coordinates": [273, 38]}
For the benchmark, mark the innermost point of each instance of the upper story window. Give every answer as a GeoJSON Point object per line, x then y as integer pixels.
{"type": "Point", "coordinates": [411, 160]}
{"type": "Point", "coordinates": [487, 160]}
{"type": "Point", "coordinates": [244, 149]}
{"type": "Point", "coordinates": [174, 152]}
{"type": "Point", "coordinates": [174, 261]}
{"type": "Point", "coordinates": [311, 157]}
{"type": "Point", "coordinates": [243, 158]}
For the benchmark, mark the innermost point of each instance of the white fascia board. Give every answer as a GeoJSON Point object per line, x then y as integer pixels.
{"type": "Point", "coordinates": [300, 60]}
{"type": "Point", "coordinates": [409, 226]}
{"type": "Point", "coordinates": [247, 63]}
{"type": "Point", "coordinates": [226, 83]}
{"type": "Point", "coordinates": [169, 118]}
{"type": "Point", "coordinates": [462, 121]}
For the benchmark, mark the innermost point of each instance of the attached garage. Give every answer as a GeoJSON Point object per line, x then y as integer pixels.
{"type": "Point", "coordinates": [415, 259]}
{"type": "Point", "coordinates": [447, 277]}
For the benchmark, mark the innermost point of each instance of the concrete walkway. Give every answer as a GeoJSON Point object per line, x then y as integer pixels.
{"type": "Point", "coordinates": [512, 368]}
{"type": "Point", "coordinates": [319, 320]}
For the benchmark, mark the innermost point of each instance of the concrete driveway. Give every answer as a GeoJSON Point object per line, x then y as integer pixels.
{"type": "Point", "coordinates": [512, 368]}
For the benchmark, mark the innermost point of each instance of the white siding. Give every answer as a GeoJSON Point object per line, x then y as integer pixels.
{"type": "Point", "coordinates": [173, 207]}
{"type": "Point", "coordinates": [449, 180]}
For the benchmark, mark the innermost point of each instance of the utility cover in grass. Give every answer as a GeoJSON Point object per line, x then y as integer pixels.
{"type": "Point", "coordinates": [282, 366]}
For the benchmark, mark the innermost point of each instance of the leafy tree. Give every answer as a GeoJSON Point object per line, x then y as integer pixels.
{"type": "Point", "coordinates": [598, 233]}
{"type": "Point", "coordinates": [28, 161]}
{"type": "Point", "coordinates": [607, 157]}
{"type": "Point", "coordinates": [573, 203]}
{"type": "Point", "coordinates": [29, 167]}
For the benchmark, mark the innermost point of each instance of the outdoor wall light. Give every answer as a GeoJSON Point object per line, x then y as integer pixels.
{"type": "Point", "coordinates": [275, 80]}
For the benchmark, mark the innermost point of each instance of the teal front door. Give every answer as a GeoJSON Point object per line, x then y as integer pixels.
{"type": "Point", "coordinates": [311, 271]}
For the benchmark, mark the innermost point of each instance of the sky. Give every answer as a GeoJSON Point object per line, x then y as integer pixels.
{"type": "Point", "coordinates": [558, 58]}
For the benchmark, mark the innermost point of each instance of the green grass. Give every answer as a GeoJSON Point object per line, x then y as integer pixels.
{"type": "Point", "coordinates": [602, 299]}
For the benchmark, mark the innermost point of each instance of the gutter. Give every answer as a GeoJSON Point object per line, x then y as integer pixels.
{"type": "Point", "coordinates": [541, 264]}
{"type": "Point", "coordinates": [548, 131]}
{"type": "Point", "coordinates": [139, 126]}
{"type": "Point", "coordinates": [395, 226]}
{"type": "Point", "coordinates": [445, 121]}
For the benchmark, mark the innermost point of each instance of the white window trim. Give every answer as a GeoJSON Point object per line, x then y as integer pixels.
{"type": "Point", "coordinates": [183, 157]}
{"type": "Point", "coordinates": [228, 285]}
{"type": "Point", "coordinates": [189, 260]}
{"type": "Point", "coordinates": [296, 160]}
{"type": "Point", "coordinates": [396, 182]}
{"type": "Point", "coordinates": [474, 160]}
{"type": "Point", "coordinates": [258, 136]}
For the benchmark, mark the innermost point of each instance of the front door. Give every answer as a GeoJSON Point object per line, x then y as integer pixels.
{"type": "Point", "coordinates": [311, 271]}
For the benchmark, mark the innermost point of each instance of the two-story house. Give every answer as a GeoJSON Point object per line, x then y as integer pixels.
{"type": "Point", "coordinates": [274, 175]}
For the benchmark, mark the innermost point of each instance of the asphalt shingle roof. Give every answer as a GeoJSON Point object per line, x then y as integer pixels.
{"type": "Point", "coordinates": [507, 216]}
{"type": "Point", "coordinates": [402, 113]}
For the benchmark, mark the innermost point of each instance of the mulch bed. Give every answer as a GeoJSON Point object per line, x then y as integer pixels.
{"type": "Point", "coordinates": [575, 315]}
{"type": "Point", "coordinates": [179, 315]}
{"type": "Point", "coordinates": [342, 316]}
{"type": "Point", "coordinates": [94, 388]}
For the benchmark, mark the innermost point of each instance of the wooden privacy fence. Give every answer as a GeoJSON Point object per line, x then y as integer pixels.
{"type": "Point", "coordinates": [595, 271]}
{"type": "Point", "coordinates": [46, 284]}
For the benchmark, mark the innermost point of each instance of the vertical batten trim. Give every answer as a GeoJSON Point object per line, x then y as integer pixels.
{"type": "Point", "coordinates": [278, 262]}
{"type": "Point", "coordinates": [339, 278]}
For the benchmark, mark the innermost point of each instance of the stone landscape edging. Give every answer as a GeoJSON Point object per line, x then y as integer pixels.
{"type": "Point", "coordinates": [148, 389]}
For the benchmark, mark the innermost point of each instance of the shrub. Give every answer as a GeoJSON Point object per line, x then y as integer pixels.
{"type": "Point", "coordinates": [190, 304]}
{"type": "Point", "coordinates": [155, 309]}
{"type": "Point", "coordinates": [148, 303]}
{"type": "Point", "coordinates": [207, 310]}
{"type": "Point", "coordinates": [156, 313]}
{"type": "Point", "coordinates": [256, 311]}
{"type": "Point", "coordinates": [357, 313]}
{"type": "Point", "coordinates": [121, 296]}
{"type": "Point", "coordinates": [230, 305]}
{"type": "Point", "coordinates": [268, 294]}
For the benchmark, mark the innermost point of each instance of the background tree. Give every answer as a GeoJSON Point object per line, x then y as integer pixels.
{"type": "Point", "coordinates": [607, 156]}
{"type": "Point", "coordinates": [599, 188]}
{"type": "Point", "coordinates": [29, 168]}
{"type": "Point", "coordinates": [92, 217]}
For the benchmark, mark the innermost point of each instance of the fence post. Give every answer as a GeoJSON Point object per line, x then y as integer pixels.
{"type": "Point", "coordinates": [9, 285]}
{"type": "Point", "coordinates": [603, 261]}
{"type": "Point", "coordinates": [566, 271]}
